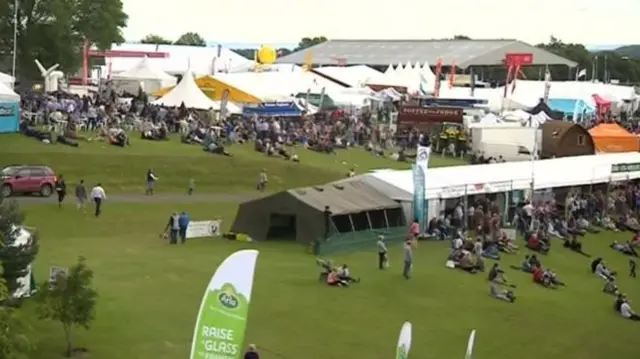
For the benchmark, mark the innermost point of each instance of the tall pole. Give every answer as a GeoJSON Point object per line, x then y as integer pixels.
{"type": "Point", "coordinates": [15, 40]}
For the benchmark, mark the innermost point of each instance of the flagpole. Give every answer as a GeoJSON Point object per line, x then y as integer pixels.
{"type": "Point", "coordinates": [15, 41]}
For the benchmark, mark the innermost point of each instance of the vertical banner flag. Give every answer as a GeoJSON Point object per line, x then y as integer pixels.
{"type": "Point", "coordinates": [506, 84]}
{"type": "Point", "coordinates": [436, 84]}
{"type": "Point", "coordinates": [222, 318]}
{"type": "Point", "coordinates": [224, 101]}
{"type": "Point", "coordinates": [470, 344]}
{"type": "Point", "coordinates": [423, 154]}
{"type": "Point", "coordinates": [404, 342]}
{"type": "Point", "coordinates": [452, 74]}
{"type": "Point", "coordinates": [516, 72]}
{"type": "Point", "coordinates": [85, 62]}
{"type": "Point", "coordinates": [473, 82]}
{"type": "Point", "coordinates": [547, 85]}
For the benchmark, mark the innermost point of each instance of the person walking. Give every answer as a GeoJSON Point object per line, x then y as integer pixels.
{"type": "Point", "coordinates": [61, 190]}
{"type": "Point", "coordinates": [382, 252]}
{"type": "Point", "coordinates": [98, 195]}
{"type": "Point", "coordinates": [262, 181]}
{"type": "Point", "coordinates": [408, 259]}
{"type": "Point", "coordinates": [173, 226]}
{"type": "Point", "coordinates": [183, 223]}
{"type": "Point", "coordinates": [151, 182]}
{"type": "Point", "coordinates": [81, 194]}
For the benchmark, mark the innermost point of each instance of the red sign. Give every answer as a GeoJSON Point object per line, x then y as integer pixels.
{"type": "Point", "coordinates": [518, 59]}
{"type": "Point", "coordinates": [424, 118]}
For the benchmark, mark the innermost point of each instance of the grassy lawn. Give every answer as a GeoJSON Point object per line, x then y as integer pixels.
{"type": "Point", "coordinates": [123, 170]}
{"type": "Point", "coordinates": [150, 293]}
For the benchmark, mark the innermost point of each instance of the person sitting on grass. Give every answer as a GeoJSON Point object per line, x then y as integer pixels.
{"type": "Point", "coordinates": [584, 225]}
{"type": "Point", "coordinates": [546, 277]}
{"type": "Point", "coordinates": [525, 266]}
{"type": "Point", "coordinates": [536, 244]}
{"type": "Point", "coordinates": [624, 307]}
{"type": "Point", "coordinates": [505, 245]}
{"type": "Point", "coordinates": [624, 248]}
{"type": "Point", "coordinates": [345, 275]}
{"type": "Point", "coordinates": [333, 279]}
{"type": "Point", "coordinates": [608, 224]}
{"type": "Point", "coordinates": [574, 244]}
{"type": "Point", "coordinates": [599, 268]}
{"type": "Point", "coordinates": [572, 226]}
{"type": "Point", "coordinates": [610, 287]}
{"type": "Point", "coordinates": [635, 241]}
{"type": "Point", "coordinates": [496, 274]}
{"type": "Point", "coordinates": [327, 267]}
{"type": "Point", "coordinates": [502, 294]}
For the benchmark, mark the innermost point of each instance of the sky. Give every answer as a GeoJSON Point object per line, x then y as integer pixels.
{"type": "Point", "coordinates": [277, 22]}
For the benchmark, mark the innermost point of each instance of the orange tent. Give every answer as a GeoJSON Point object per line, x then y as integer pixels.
{"type": "Point", "coordinates": [611, 137]}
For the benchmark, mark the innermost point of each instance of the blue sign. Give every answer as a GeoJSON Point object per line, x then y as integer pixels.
{"type": "Point", "coordinates": [9, 117]}
{"type": "Point", "coordinates": [273, 109]}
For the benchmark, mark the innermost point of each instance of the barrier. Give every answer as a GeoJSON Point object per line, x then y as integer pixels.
{"type": "Point", "coordinates": [358, 241]}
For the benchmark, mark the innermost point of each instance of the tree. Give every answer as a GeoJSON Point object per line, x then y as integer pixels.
{"type": "Point", "coordinates": [307, 42]}
{"type": "Point", "coordinates": [14, 260]}
{"type": "Point", "coordinates": [69, 299]}
{"type": "Point", "coordinates": [461, 37]}
{"type": "Point", "coordinates": [155, 40]}
{"type": "Point", "coordinates": [13, 343]}
{"type": "Point", "coordinates": [190, 39]}
{"type": "Point", "coordinates": [54, 31]}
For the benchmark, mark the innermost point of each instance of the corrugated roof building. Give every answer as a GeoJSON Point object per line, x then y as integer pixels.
{"type": "Point", "coordinates": [385, 52]}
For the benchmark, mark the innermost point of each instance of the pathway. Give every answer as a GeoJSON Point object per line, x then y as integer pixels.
{"type": "Point", "coordinates": [158, 198]}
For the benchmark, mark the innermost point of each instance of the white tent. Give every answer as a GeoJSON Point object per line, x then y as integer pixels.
{"type": "Point", "coordinates": [143, 74]}
{"type": "Point", "coordinates": [7, 80]}
{"type": "Point", "coordinates": [26, 286]}
{"type": "Point", "coordinates": [187, 92]}
{"type": "Point", "coordinates": [7, 94]}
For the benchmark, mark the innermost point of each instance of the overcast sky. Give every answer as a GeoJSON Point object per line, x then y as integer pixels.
{"type": "Point", "coordinates": [286, 21]}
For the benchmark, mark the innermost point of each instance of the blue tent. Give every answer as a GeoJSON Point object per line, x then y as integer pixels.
{"type": "Point", "coordinates": [571, 107]}
{"type": "Point", "coordinates": [9, 110]}
{"type": "Point", "coordinates": [273, 109]}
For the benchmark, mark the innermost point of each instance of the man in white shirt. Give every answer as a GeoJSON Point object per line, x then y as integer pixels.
{"type": "Point", "coordinates": [627, 312]}
{"type": "Point", "coordinates": [98, 195]}
{"type": "Point", "coordinates": [382, 252]}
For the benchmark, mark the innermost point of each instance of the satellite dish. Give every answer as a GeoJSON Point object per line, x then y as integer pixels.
{"type": "Point", "coordinates": [267, 55]}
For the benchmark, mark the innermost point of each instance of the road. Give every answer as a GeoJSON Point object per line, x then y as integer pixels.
{"type": "Point", "coordinates": [158, 198]}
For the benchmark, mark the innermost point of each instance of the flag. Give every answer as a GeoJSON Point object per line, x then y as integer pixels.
{"type": "Point", "coordinates": [219, 54]}
{"type": "Point", "coordinates": [423, 153]}
{"type": "Point", "coordinates": [547, 85]}
{"type": "Point", "coordinates": [580, 74]}
{"type": "Point", "coordinates": [436, 85]}
{"type": "Point", "coordinates": [423, 85]}
{"type": "Point", "coordinates": [308, 60]}
{"type": "Point", "coordinates": [404, 342]}
{"type": "Point", "coordinates": [452, 74]}
{"type": "Point", "coordinates": [222, 318]}
{"type": "Point", "coordinates": [306, 100]}
{"type": "Point", "coordinates": [473, 82]}
{"type": "Point", "coordinates": [85, 62]}
{"type": "Point", "coordinates": [470, 344]}
{"type": "Point", "coordinates": [515, 77]}
{"type": "Point", "coordinates": [224, 102]}
{"type": "Point", "coordinates": [507, 80]}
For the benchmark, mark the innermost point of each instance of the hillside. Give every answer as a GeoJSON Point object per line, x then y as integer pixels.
{"type": "Point", "coordinates": [629, 50]}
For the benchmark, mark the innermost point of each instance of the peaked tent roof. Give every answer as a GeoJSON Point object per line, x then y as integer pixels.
{"type": "Point", "coordinates": [6, 79]}
{"type": "Point", "coordinates": [7, 94]}
{"type": "Point", "coordinates": [610, 130]}
{"type": "Point", "coordinates": [186, 92]}
{"type": "Point", "coordinates": [344, 198]}
{"type": "Point", "coordinates": [144, 71]}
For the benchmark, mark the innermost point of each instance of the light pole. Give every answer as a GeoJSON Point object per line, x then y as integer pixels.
{"type": "Point", "coordinates": [15, 40]}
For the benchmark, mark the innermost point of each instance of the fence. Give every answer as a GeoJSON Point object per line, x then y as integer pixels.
{"type": "Point", "coordinates": [358, 241]}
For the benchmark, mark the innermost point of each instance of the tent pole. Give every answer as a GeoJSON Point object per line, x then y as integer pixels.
{"type": "Point", "coordinates": [386, 219]}
{"type": "Point", "coordinates": [353, 227]}
{"type": "Point", "coordinates": [369, 220]}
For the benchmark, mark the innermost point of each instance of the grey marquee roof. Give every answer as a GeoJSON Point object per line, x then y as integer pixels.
{"type": "Point", "coordinates": [392, 52]}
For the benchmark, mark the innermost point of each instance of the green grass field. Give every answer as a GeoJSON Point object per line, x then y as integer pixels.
{"type": "Point", "coordinates": [150, 292]}
{"type": "Point", "coordinates": [123, 170]}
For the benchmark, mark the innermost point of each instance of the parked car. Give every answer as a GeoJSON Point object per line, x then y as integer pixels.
{"type": "Point", "coordinates": [27, 180]}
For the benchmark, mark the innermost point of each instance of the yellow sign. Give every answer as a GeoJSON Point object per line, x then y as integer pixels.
{"type": "Point", "coordinates": [267, 55]}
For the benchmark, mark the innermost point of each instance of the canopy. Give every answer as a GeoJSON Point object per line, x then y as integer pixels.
{"type": "Point", "coordinates": [7, 94]}
{"type": "Point", "coordinates": [274, 109]}
{"type": "Point", "coordinates": [152, 78]}
{"type": "Point", "coordinates": [6, 79]}
{"type": "Point", "coordinates": [186, 92]}
{"type": "Point", "coordinates": [611, 137]}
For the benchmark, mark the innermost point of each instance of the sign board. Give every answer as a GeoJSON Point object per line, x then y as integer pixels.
{"type": "Point", "coordinates": [518, 59]}
{"type": "Point", "coordinates": [424, 118]}
{"type": "Point", "coordinates": [625, 167]}
{"type": "Point", "coordinates": [201, 229]}
{"type": "Point", "coordinates": [54, 272]}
